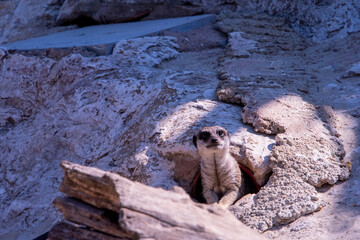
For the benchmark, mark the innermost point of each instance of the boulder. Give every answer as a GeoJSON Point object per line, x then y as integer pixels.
{"type": "Point", "coordinates": [353, 71]}
{"type": "Point", "coordinates": [86, 12]}
{"type": "Point", "coordinates": [307, 152]}
{"type": "Point", "coordinates": [319, 20]}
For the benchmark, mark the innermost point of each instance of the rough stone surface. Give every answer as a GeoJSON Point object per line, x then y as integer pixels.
{"type": "Point", "coordinates": [145, 51]}
{"type": "Point", "coordinates": [353, 71]}
{"type": "Point", "coordinates": [113, 112]}
{"type": "Point", "coordinates": [96, 11]}
{"type": "Point", "coordinates": [239, 46]}
{"type": "Point", "coordinates": [22, 19]}
{"type": "Point", "coordinates": [75, 99]}
{"type": "Point", "coordinates": [308, 152]}
{"type": "Point", "coordinates": [285, 198]}
{"type": "Point", "coordinates": [318, 20]}
{"type": "Point", "coordinates": [138, 118]}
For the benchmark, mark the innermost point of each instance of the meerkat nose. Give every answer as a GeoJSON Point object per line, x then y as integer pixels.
{"type": "Point", "coordinates": [214, 140]}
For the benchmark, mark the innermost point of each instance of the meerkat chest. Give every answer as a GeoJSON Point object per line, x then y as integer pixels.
{"type": "Point", "coordinates": [218, 174]}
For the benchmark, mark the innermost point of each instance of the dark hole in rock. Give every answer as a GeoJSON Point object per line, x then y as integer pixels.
{"type": "Point", "coordinates": [84, 21]}
{"type": "Point", "coordinates": [42, 237]}
{"type": "Point", "coordinates": [248, 180]}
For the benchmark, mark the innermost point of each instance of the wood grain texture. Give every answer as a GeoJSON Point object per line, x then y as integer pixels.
{"type": "Point", "coordinates": [66, 230]}
{"type": "Point", "coordinates": [99, 219]}
{"type": "Point", "coordinates": [143, 212]}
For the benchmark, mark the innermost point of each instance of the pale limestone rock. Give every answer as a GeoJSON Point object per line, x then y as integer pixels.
{"type": "Point", "coordinates": [28, 18]}
{"type": "Point", "coordinates": [76, 108]}
{"type": "Point", "coordinates": [319, 20]}
{"type": "Point", "coordinates": [253, 151]}
{"type": "Point", "coordinates": [239, 46]}
{"type": "Point", "coordinates": [149, 51]}
{"type": "Point", "coordinates": [115, 11]}
{"type": "Point", "coordinates": [285, 198]}
{"type": "Point", "coordinates": [307, 153]}
{"type": "Point", "coordinates": [353, 71]}
{"type": "Point", "coordinates": [3, 53]}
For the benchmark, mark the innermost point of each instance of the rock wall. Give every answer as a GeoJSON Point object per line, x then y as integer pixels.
{"type": "Point", "coordinates": [134, 112]}
{"type": "Point", "coordinates": [307, 153]}
{"type": "Point", "coordinates": [86, 109]}
{"type": "Point", "coordinates": [131, 112]}
{"type": "Point", "coordinates": [319, 20]}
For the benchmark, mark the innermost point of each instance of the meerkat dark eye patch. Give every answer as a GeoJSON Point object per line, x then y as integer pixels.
{"type": "Point", "coordinates": [204, 136]}
{"type": "Point", "coordinates": [221, 133]}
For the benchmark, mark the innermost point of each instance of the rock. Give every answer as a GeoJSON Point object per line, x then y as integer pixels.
{"type": "Point", "coordinates": [100, 12]}
{"type": "Point", "coordinates": [285, 198]}
{"type": "Point", "coordinates": [239, 46]}
{"type": "Point", "coordinates": [307, 153]}
{"type": "Point", "coordinates": [141, 211]}
{"type": "Point", "coordinates": [31, 18]}
{"type": "Point", "coordinates": [319, 20]}
{"type": "Point", "coordinates": [353, 71]}
{"type": "Point", "coordinates": [193, 40]}
{"type": "Point", "coordinates": [28, 18]}
{"type": "Point", "coordinates": [257, 30]}
{"type": "Point", "coordinates": [137, 118]}
{"type": "Point", "coordinates": [253, 150]}
{"type": "Point", "coordinates": [105, 38]}
{"type": "Point", "coordinates": [55, 108]}
{"type": "Point", "coordinates": [3, 53]}
{"type": "Point", "coordinates": [149, 51]}
{"type": "Point", "coordinates": [95, 11]}
{"type": "Point", "coordinates": [119, 112]}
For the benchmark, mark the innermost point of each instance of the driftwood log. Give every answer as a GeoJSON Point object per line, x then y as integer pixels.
{"type": "Point", "coordinates": [104, 205]}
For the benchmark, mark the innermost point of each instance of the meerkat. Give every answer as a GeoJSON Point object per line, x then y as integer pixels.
{"type": "Point", "coordinates": [220, 173]}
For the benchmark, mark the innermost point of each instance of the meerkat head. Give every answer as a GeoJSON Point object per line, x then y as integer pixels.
{"type": "Point", "coordinates": [212, 139]}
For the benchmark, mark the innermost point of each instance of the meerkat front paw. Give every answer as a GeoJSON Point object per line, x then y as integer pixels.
{"type": "Point", "coordinates": [229, 198]}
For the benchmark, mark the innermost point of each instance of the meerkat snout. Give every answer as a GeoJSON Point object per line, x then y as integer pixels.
{"type": "Point", "coordinates": [220, 173]}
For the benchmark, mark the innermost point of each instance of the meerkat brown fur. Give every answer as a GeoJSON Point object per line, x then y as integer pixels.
{"type": "Point", "coordinates": [220, 173]}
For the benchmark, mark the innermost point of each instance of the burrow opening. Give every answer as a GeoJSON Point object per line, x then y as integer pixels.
{"type": "Point", "coordinates": [248, 180]}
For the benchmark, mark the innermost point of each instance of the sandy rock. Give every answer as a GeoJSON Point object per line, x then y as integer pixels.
{"type": "Point", "coordinates": [77, 108]}
{"type": "Point", "coordinates": [261, 29]}
{"type": "Point", "coordinates": [138, 118]}
{"type": "Point", "coordinates": [150, 51]}
{"type": "Point", "coordinates": [315, 159]}
{"type": "Point", "coordinates": [285, 198]}
{"type": "Point", "coordinates": [239, 46]}
{"type": "Point", "coordinates": [307, 153]}
{"type": "Point", "coordinates": [96, 11]}
{"type": "Point", "coordinates": [318, 20]}
{"type": "Point", "coordinates": [193, 40]}
{"type": "Point", "coordinates": [353, 71]}
{"type": "Point", "coordinates": [28, 18]}
{"type": "Point", "coordinates": [253, 150]}
{"type": "Point", "coordinates": [2, 53]}
{"type": "Point", "coordinates": [311, 154]}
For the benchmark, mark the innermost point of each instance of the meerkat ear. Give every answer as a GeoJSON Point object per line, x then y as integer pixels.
{"type": "Point", "coordinates": [195, 140]}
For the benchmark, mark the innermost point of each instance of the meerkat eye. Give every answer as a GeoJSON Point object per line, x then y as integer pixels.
{"type": "Point", "coordinates": [204, 135]}
{"type": "Point", "coordinates": [221, 133]}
